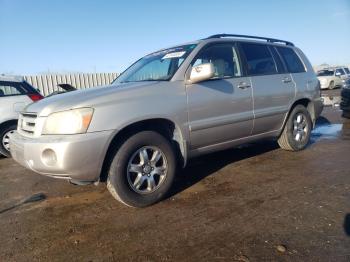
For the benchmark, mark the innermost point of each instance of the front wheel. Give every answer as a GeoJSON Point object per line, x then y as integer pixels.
{"type": "Point", "coordinates": [331, 86]}
{"type": "Point", "coordinates": [142, 170]}
{"type": "Point", "coordinates": [5, 139]}
{"type": "Point", "coordinates": [297, 130]}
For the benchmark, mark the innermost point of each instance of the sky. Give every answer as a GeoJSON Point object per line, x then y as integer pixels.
{"type": "Point", "coordinates": [58, 36]}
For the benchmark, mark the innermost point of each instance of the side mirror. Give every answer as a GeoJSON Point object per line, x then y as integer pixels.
{"type": "Point", "coordinates": [337, 74]}
{"type": "Point", "coordinates": [201, 73]}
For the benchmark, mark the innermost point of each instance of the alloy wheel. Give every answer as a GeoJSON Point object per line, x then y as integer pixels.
{"type": "Point", "coordinates": [6, 140]}
{"type": "Point", "coordinates": [300, 127]}
{"type": "Point", "coordinates": [147, 169]}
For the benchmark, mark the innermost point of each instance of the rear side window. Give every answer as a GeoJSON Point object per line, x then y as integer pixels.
{"type": "Point", "coordinates": [10, 89]}
{"type": "Point", "coordinates": [259, 59]}
{"type": "Point", "coordinates": [278, 60]}
{"type": "Point", "coordinates": [291, 59]}
{"type": "Point", "coordinates": [346, 70]}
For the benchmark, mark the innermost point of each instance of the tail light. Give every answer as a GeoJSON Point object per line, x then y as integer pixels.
{"type": "Point", "coordinates": [35, 97]}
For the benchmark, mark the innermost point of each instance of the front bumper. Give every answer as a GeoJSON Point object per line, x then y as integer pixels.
{"type": "Point", "coordinates": [73, 157]}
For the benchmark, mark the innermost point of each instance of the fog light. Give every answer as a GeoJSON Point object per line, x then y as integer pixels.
{"type": "Point", "coordinates": [49, 157]}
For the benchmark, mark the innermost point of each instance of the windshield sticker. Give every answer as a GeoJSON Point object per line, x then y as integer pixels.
{"type": "Point", "coordinates": [174, 55]}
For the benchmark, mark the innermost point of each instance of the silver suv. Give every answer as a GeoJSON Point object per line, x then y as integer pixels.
{"type": "Point", "coordinates": [170, 106]}
{"type": "Point", "coordinates": [15, 95]}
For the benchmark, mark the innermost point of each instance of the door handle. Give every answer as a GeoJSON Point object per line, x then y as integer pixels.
{"type": "Point", "coordinates": [243, 85]}
{"type": "Point", "coordinates": [286, 80]}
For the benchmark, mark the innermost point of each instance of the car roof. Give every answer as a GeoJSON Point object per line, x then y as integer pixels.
{"type": "Point", "coordinates": [11, 78]}
{"type": "Point", "coordinates": [242, 40]}
{"type": "Point", "coordinates": [247, 38]}
{"type": "Point", "coordinates": [233, 38]}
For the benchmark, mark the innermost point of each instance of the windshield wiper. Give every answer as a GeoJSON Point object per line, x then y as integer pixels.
{"type": "Point", "coordinates": [153, 80]}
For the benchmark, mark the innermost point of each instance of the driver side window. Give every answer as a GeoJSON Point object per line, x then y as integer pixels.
{"type": "Point", "coordinates": [224, 59]}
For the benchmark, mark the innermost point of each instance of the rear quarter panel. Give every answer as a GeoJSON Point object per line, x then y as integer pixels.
{"type": "Point", "coordinates": [307, 85]}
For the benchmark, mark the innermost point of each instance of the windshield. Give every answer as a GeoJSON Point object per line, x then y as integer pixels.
{"type": "Point", "coordinates": [158, 66]}
{"type": "Point", "coordinates": [347, 70]}
{"type": "Point", "coordinates": [325, 73]}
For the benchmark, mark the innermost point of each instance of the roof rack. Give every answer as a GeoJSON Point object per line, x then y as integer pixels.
{"type": "Point", "coordinates": [270, 40]}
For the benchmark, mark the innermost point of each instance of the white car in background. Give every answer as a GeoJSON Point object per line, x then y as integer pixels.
{"type": "Point", "coordinates": [15, 95]}
{"type": "Point", "coordinates": [331, 78]}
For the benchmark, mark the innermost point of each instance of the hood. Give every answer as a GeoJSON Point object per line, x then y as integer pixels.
{"type": "Point", "coordinates": [87, 97]}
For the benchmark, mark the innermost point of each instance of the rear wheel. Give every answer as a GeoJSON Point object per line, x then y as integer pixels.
{"type": "Point", "coordinates": [296, 133]}
{"type": "Point", "coordinates": [5, 139]}
{"type": "Point", "coordinates": [331, 85]}
{"type": "Point", "coordinates": [142, 170]}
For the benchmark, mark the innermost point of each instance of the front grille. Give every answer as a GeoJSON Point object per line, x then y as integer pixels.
{"type": "Point", "coordinates": [27, 123]}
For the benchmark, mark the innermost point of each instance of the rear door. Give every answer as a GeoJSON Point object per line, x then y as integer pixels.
{"type": "Point", "coordinates": [220, 109]}
{"type": "Point", "coordinates": [273, 87]}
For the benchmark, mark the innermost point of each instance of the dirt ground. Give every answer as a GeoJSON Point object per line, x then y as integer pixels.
{"type": "Point", "coordinates": [236, 205]}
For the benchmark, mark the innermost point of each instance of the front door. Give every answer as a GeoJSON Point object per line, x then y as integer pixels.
{"type": "Point", "coordinates": [220, 109]}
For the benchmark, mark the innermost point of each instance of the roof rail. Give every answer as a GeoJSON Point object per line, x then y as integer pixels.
{"type": "Point", "coordinates": [271, 40]}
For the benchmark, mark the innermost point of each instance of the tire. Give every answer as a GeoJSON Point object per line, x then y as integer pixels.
{"type": "Point", "coordinates": [135, 181]}
{"type": "Point", "coordinates": [331, 85]}
{"type": "Point", "coordinates": [297, 130]}
{"type": "Point", "coordinates": [4, 132]}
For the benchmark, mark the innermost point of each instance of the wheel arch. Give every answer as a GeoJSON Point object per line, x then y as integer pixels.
{"type": "Point", "coordinates": [8, 123]}
{"type": "Point", "coordinates": [166, 127]}
{"type": "Point", "coordinates": [308, 104]}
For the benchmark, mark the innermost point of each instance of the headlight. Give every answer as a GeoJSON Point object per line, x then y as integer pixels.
{"type": "Point", "coordinates": [69, 122]}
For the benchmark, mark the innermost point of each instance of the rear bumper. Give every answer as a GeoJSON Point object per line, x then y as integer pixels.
{"type": "Point", "coordinates": [73, 157]}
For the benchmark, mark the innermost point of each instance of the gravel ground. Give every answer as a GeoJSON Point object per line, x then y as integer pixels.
{"type": "Point", "coordinates": [254, 203]}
